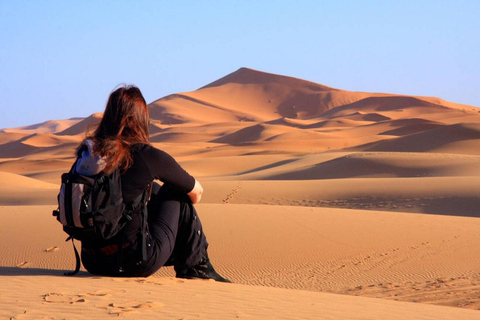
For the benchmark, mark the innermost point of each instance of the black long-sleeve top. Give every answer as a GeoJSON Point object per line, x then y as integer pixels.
{"type": "Point", "coordinates": [150, 163]}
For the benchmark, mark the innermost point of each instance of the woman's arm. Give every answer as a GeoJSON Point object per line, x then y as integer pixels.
{"type": "Point", "coordinates": [196, 193]}
{"type": "Point", "coordinates": [165, 168]}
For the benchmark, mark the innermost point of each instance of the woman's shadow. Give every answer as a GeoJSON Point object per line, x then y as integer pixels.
{"type": "Point", "coordinates": [16, 271]}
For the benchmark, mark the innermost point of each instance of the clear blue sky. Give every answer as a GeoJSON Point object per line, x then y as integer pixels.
{"type": "Point", "coordinates": [61, 59]}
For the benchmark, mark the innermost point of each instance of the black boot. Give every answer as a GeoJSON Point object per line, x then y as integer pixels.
{"type": "Point", "coordinates": [203, 270]}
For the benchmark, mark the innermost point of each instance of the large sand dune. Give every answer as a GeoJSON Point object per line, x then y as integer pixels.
{"type": "Point", "coordinates": [319, 203]}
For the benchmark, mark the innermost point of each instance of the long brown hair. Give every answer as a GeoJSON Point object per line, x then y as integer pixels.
{"type": "Point", "coordinates": [124, 122]}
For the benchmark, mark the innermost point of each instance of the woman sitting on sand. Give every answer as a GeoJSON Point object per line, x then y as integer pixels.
{"type": "Point", "coordinates": [175, 233]}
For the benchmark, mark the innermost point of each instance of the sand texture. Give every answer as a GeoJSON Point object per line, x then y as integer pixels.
{"type": "Point", "coordinates": [319, 203]}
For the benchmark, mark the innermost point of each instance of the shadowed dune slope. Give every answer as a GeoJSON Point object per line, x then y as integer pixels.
{"type": "Point", "coordinates": [442, 139]}
{"type": "Point", "coordinates": [87, 124]}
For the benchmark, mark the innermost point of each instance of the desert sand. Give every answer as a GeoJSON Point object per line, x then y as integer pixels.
{"type": "Point", "coordinates": [319, 203]}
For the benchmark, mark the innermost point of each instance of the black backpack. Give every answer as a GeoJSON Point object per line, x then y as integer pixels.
{"type": "Point", "coordinates": [91, 210]}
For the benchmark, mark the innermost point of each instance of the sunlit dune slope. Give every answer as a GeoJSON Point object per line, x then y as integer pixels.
{"type": "Point", "coordinates": [50, 126]}
{"type": "Point", "coordinates": [16, 190]}
{"type": "Point", "coordinates": [248, 94]}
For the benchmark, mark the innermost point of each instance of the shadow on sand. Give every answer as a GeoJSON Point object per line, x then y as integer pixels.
{"type": "Point", "coordinates": [16, 271]}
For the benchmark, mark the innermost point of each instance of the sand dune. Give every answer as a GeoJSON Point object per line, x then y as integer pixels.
{"type": "Point", "coordinates": [39, 146]}
{"type": "Point", "coordinates": [50, 126]}
{"type": "Point", "coordinates": [442, 139]}
{"type": "Point", "coordinates": [319, 203]}
{"type": "Point", "coordinates": [82, 126]}
{"type": "Point", "coordinates": [405, 127]}
{"type": "Point", "coordinates": [7, 136]}
{"type": "Point", "coordinates": [19, 190]}
{"type": "Point", "coordinates": [255, 95]}
{"type": "Point", "coordinates": [381, 165]}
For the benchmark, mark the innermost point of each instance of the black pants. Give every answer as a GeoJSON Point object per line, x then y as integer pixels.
{"type": "Point", "coordinates": [175, 238]}
{"type": "Point", "coordinates": [176, 230]}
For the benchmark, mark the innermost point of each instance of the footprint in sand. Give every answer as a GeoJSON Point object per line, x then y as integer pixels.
{"type": "Point", "coordinates": [22, 264]}
{"type": "Point", "coordinates": [102, 299]}
{"type": "Point", "coordinates": [60, 298]}
{"type": "Point", "coordinates": [231, 194]}
{"type": "Point", "coordinates": [102, 293]}
{"type": "Point", "coordinates": [52, 249]}
{"type": "Point", "coordinates": [128, 307]}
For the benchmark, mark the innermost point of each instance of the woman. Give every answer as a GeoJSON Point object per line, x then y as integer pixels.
{"type": "Point", "coordinates": [175, 232]}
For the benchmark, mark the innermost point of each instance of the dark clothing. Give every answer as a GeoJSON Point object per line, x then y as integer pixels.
{"type": "Point", "coordinates": [150, 163]}
{"type": "Point", "coordinates": [175, 231]}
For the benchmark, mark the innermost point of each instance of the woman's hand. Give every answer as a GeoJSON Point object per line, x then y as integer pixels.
{"type": "Point", "coordinates": [196, 194]}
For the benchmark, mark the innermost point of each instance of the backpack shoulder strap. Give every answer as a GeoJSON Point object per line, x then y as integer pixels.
{"type": "Point", "coordinates": [139, 202]}
{"type": "Point", "coordinates": [77, 257]}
